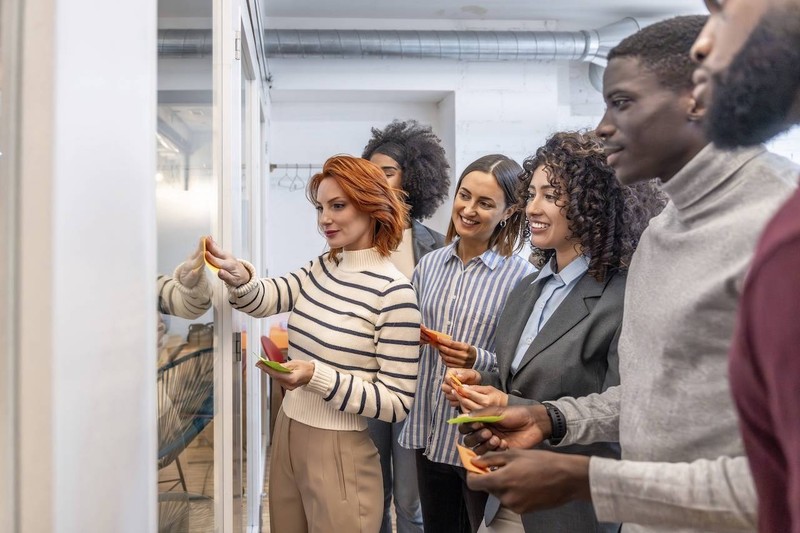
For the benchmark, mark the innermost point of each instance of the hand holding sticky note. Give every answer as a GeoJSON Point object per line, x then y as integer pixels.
{"type": "Point", "coordinates": [211, 267]}
{"type": "Point", "coordinates": [432, 336]}
{"type": "Point", "coordinates": [466, 455]}
{"type": "Point", "coordinates": [458, 387]}
{"type": "Point", "coordinates": [274, 365]}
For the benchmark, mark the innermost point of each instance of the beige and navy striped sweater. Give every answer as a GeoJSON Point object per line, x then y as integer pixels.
{"type": "Point", "coordinates": [358, 321]}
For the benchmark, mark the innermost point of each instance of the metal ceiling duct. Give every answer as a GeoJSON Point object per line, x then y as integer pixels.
{"type": "Point", "coordinates": [184, 43]}
{"type": "Point", "coordinates": [584, 45]}
{"type": "Point", "coordinates": [591, 45]}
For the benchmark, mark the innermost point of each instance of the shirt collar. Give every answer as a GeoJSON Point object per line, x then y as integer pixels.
{"type": "Point", "coordinates": [706, 171]}
{"type": "Point", "coordinates": [571, 272]}
{"type": "Point", "coordinates": [490, 258]}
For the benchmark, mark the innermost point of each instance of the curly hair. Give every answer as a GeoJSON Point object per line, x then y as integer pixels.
{"type": "Point", "coordinates": [606, 217]}
{"type": "Point", "coordinates": [663, 48]}
{"type": "Point", "coordinates": [418, 152]}
{"type": "Point", "coordinates": [366, 186]}
{"type": "Point", "coordinates": [505, 239]}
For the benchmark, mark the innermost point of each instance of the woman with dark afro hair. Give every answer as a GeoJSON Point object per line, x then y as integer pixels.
{"type": "Point", "coordinates": [558, 333]}
{"type": "Point", "coordinates": [414, 161]}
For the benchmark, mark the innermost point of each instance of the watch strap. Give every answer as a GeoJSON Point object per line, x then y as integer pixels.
{"type": "Point", "coordinates": [558, 422]}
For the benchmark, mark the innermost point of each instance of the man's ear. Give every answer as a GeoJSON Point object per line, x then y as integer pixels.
{"type": "Point", "coordinates": [695, 110]}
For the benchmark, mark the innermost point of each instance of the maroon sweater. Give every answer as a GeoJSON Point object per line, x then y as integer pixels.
{"type": "Point", "coordinates": [765, 371]}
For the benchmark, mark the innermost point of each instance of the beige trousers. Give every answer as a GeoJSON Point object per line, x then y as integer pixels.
{"type": "Point", "coordinates": [506, 521]}
{"type": "Point", "coordinates": [323, 481]}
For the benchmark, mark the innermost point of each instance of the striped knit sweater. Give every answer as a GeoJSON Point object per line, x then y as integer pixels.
{"type": "Point", "coordinates": [358, 321]}
{"type": "Point", "coordinates": [176, 299]}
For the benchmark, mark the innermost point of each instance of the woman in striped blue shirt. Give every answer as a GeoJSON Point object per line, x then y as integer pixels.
{"type": "Point", "coordinates": [462, 289]}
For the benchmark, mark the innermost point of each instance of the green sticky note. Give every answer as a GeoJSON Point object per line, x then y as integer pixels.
{"type": "Point", "coordinates": [275, 365]}
{"type": "Point", "coordinates": [465, 419]}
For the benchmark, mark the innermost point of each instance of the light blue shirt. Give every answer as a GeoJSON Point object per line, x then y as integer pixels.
{"type": "Point", "coordinates": [465, 301]}
{"type": "Point", "coordinates": [556, 287]}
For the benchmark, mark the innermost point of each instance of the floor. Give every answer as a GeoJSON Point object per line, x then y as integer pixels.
{"type": "Point", "coordinates": [192, 510]}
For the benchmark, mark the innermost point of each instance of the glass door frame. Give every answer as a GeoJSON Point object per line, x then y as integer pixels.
{"type": "Point", "coordinates": [235, 36]}
{"type": "Point", "coordinates": [226, 163]}
{"type": "Point", "coordinates": [10, 28]}
{"type": "Point", "coordinates": [253, 162]}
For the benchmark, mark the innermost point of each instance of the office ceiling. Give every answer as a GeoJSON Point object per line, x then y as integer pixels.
{"type": "Point", "coordinates": [571, 12]}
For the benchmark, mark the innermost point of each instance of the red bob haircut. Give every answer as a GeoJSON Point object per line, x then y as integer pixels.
{"type": "Point", "coordinates": [366, 186]}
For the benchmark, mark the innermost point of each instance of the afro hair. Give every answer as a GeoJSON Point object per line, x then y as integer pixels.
{"type": "Point", "coordinates": [419, 153]}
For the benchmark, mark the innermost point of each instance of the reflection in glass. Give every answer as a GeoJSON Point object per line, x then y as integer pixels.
{"type": "Point", "coordinates": [186, 208]}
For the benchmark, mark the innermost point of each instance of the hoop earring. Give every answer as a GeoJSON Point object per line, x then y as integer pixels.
{"type": "Point", "coordinates": [503, 223]}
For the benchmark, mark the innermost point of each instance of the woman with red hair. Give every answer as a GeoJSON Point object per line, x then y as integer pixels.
{"type": "Point", "coordinates": [353, 351]}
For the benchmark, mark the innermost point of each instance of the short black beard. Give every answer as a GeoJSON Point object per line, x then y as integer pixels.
{"type": "Point", "coordinates": [751, 99]}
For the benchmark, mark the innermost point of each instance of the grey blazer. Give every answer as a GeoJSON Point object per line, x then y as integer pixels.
{"type": "Point", "coordinates": [424, 240]}
{"type": "Point", "coordinates": [574, 354]}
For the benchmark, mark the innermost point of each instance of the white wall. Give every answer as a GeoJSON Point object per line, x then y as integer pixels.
{"type": "Point", "coordinates": [87, 424]}
{"type": "Point", "coordinates": [787, 145]}
{"type": "Point", "coordinates": [303, 133]}
{"type": "Point", "coordinates": [323, 107]}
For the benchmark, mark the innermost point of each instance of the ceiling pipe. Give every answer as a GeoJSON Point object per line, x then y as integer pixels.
{"type": "Point", "coordinates": [585, 45]}
{"type": "Point", "coordinates": [184, 43]}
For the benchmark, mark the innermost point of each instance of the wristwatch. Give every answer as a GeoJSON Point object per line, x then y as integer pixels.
{"type": "Point", "coordinates": [557, 421]}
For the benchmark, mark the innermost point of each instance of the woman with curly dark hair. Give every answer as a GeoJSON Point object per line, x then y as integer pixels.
{"type": "Point", "coordinates": [558, 333]}
{"type": "Point", "coordinates": [414, 161]}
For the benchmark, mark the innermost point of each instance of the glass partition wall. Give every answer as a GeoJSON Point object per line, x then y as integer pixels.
{"type": "Point", "coordinates": [186, 208]}
{"type": "Point", "coordinates": [211, 109]}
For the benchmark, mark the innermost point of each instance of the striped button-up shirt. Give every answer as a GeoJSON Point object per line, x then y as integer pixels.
{"type": "Point", "coordinates": [464, 301]}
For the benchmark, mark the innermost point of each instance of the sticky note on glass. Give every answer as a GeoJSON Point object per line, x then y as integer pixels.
{"type": "Point", "coordinates": [274, 365]}
{"type": "Point", "coordinates": [465, 419]}
{"type": "Point", "coordinates": [432, 336]}
{"type": "Point", "coordinates": [211, 267]}
{"type": "Point", "coordinates": [465, 454]}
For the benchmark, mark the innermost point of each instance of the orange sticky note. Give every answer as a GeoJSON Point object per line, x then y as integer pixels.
{"type": "Point", "coordinates": [433, 336]}
{"type": "Point", "coordinates": [211, 267]}
{"type": "Point", "coordinates": [465, 454]}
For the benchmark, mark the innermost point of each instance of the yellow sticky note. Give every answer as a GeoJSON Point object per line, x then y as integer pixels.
{"type": "Point", "coordinates": [211, 267]}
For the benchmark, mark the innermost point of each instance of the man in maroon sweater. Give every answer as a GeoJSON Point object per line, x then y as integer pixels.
{"type": "Point", "coordinates": [749, 75]}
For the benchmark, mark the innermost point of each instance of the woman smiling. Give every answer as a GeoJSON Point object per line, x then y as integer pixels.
{"type": "Point", "coordinates": [557, 335]}
{"type": "Point", "coordinates": [462, 289]}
